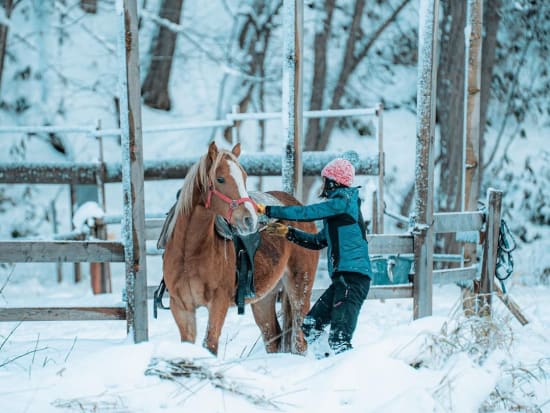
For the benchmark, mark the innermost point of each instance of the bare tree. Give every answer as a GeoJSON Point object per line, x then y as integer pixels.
{"type": "Point", "coordinates": [7, 5]}
{"type": "Point", "coordinates": [155, 86]}
{"type": "Point", "coordinates": [254, 30]}
{"type": "Point", "coordinates": [355, 50]}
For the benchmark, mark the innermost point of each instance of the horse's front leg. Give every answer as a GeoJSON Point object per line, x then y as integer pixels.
{"type": "Point", "coordinates": [217, 311]}
{"type": "Point", "coordinates": [185, 320]}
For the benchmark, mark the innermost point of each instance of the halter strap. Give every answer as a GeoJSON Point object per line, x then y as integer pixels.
{"type": "Point", "coordinates": [233, 203]}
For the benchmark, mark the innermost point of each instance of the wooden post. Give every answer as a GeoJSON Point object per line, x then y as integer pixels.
{"type": "Point", "coordinates": [490, 246]}
{"type": "Point", "coordinates": [380, 207]}
{"type": "Point", "coordinates": [472, 105]}
{"type": "Point", "coordinates": [58, 265]}
{"type": "Point", "coordinates": [292, 105]}
{"type": "Point", "coordinates": [424, 208]}
{"type": "Point", "coordinates": [76, 265]}
{"type": "Point", "coordinates": [132, 172]}
{"type": "Point", "coordinates": [235, 137]}
{"type": "Point", "coordinates": [374, 227]}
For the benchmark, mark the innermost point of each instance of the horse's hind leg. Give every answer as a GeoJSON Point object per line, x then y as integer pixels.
{"type": "Point", "coordinates": [265, 316]}
{"type": "Point", "coordinates": [298, 284]}
{"type": "Point", "coordinates": [185, 320]}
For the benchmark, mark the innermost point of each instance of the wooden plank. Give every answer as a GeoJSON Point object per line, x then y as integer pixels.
{"type": "Point", "coordinates": [62, 313]}
{"type": "Point", "coordinates": [61, 251]}
{"type": "Point", "coordinates": [390, 244]}
{"type": "Point", "coordinates": [86, 173]}
{"type": "Point", "coordinates": [453, 275]}
{"type": "Point", "coordinates": [133, 172]}
{"type": "Point", "coordinates": [153, 227]}
{"type": "Point", "coordinates": [378, 243]}
{"type": "Point", "coordinates": [458, 221]}
{"type": "Point", "coordinates": [379, 292]}
{"type": "Point", "coordinates": [424, 164]}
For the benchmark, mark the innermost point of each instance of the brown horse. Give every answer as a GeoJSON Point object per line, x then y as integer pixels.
{"type": "Point", "coordinates": [199, 265]}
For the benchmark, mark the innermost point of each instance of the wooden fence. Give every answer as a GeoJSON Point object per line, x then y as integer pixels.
{"type": "Point", "coordinates": [132, 249]}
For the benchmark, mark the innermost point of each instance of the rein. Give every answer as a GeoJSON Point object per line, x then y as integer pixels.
{"type": "Point", "coordinates": [233, 203]}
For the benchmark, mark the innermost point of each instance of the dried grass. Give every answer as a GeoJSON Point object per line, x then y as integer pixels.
{"type": "Point", "coordinates": [108, 403]}
{"type": "Point", "coordinates": [188, 373]}
{"type": "Point", "coordinates": [516, 389]}
{"type": "Point", "coordinates": [473, 335]}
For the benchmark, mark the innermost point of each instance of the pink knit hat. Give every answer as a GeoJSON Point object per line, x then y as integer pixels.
{"type": "Point", "coordinates": [339, 170]}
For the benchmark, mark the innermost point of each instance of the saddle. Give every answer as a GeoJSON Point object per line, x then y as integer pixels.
{"type": "Point", "coordinates": [245, 250]}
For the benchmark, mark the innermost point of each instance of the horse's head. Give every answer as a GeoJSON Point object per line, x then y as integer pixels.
{"type": "Point", "coordinates": [227, 195]}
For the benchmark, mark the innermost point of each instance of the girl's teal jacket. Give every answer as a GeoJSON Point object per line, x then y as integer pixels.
{"type": "Point", "coordinates": [343, 231]}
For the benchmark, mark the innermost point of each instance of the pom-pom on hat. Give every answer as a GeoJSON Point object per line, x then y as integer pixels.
{"type": "Point", "coordinates": [339, 170]}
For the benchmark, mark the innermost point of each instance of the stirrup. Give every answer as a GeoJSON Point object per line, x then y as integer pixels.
{"type": "Point", "coordinates": [157, 298]}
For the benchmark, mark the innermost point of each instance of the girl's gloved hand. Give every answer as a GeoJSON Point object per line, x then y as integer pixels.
{"type": "Point", "coordinates": [276, 228]}
{"type": "Point", "coordinates": [260, 209]}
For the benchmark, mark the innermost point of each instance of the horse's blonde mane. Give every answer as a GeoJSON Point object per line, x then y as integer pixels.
{"type": "Point", "coordinates": [197, 176]}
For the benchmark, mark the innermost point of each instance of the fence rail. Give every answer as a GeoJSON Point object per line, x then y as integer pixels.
{"type": "Point", "coordinates": [89, 173]}
{"type": "Point", "coordinates": [62, 313]}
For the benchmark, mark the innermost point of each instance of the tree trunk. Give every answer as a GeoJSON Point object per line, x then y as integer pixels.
{"type": "Point", "coordinates": [89, 6]}
{"type": "Point", "coordinates": [450, 103]}
{"type": "Point", "coordinates": [7, 5]}
{"type": "Point", "coordinates": [450, 87]}
{"type": "Point", "coordinates": [491, 20]}
{"type": "Point", "coordinates": [318, 83]}
{"type": "Point", "coordinates": [155, 86]}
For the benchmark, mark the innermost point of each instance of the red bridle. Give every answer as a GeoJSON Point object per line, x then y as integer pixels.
{"type": "Point", "coordinates": [233, 203]}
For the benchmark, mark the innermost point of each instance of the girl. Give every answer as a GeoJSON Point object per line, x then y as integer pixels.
{"type": "Point", "coordinates": [344, 234]}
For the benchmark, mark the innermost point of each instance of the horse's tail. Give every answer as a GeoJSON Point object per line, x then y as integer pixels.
{"type": "Point", "coordinates": [286, 310]}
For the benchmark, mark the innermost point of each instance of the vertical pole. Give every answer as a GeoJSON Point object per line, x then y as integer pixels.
{"type": "Point", "coordinates": [374, 228]}
{"type": "Point", "coordinates": [59, 264]}
{"type": "Point", "coordinates": [292, 105]}
{"type": "Point", "coordinates": [235, 138]}
{"type": "Point", "coordinates": [76, 265]}
{"type": "Point", "coordinates": [132, 171]}
{"type": "Point", "coordinates": [380, 207]}
{"type": "Point", "coordinates": [425, 129]}
{"type": "Point", "coordinates": [488, 269]}
{"type": "Point", "coordinates": [472, 111]}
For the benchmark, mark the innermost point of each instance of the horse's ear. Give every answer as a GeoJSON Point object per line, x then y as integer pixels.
{"type": "Point", "coordinates": [212, 151]}
{"type": "Point", "coordinates": [236, 150]}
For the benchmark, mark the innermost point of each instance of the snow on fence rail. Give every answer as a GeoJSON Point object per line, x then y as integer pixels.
{"type": "Point", "coordinates": [261, 164]}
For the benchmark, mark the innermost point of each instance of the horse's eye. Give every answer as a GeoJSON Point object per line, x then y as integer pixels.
{"type": "Point", "coordinates": [220, 179]}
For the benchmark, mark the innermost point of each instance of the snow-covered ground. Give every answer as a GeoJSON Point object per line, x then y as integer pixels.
{"type": "Point", "coordinates": [93, 366]}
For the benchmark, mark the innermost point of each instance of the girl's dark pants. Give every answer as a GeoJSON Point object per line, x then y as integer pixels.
{"type": "Point", "coordinates": [339, 306]}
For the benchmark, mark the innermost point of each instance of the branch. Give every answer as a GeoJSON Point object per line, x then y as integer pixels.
{"type": "Point", "coordinates": [380, 30]}
{"type": "Point", "coordinates": [509, 102]}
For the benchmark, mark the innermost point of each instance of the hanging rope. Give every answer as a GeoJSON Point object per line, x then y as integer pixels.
{"type": "Point", "coordinates": [505, 261]}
